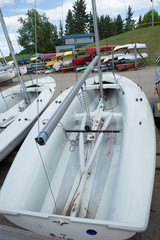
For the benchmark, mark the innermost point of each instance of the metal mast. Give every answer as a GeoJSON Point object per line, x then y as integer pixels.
{"type": "Point", "coordinates": [13, 56]}
{"type": "Point", "coordinates": [97, 45]}
{"type": "Point", "coordinates": [44, 135]}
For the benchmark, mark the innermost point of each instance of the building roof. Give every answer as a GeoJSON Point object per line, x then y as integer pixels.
{"type": "Point", "coordinates": [79, 35]}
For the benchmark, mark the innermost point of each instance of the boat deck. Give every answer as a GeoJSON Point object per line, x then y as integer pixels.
{"type": "Point", "coordinates": [83, 194]}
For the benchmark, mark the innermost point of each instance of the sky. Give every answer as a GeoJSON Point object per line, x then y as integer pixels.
{"type": "Point", "coordinates": [56, 10]}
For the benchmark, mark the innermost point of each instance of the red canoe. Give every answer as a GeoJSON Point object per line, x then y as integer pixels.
{"type": "Point", "coordinates": [102, 49]}
{"type": "Point", "coordinates": [81, 60]}
{"type": "Point", "coordinates": [126, 66]}
{"type": "Point", "coordinates": [67, 69]}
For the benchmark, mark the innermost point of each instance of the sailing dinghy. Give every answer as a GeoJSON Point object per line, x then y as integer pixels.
{"type": "Point", "coordinates": [90, 170]}
{"type": "Point", "coordinates": [99, 180]}
{"type": "Point", "coordinates": [20, 106]}
{"type": "Point", "coordinates": [16, 116]}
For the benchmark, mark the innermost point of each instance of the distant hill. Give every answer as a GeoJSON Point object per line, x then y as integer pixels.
{"type": "Point", "coordinates": [148, 35]}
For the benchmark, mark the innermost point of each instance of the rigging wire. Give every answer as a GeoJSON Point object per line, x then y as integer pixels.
{"type": "Point", "coordinates": [125, 7]}
{"type": "Point", "coordinates": [38, 123]}
{"type": "Point", "coordinates": [4, 100]}
{"type": "Point", "coordinates": [46, 174]}
{"type": "Point", "coordinates": [13, 26]}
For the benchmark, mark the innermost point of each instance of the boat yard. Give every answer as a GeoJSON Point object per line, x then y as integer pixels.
{"type": "Point", "coordinates": [143, 77]}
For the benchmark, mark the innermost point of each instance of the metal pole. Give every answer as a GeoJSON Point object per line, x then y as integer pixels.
{"type": "Point", "coordinates": [13, 56]}
{"type": "Point", "coordinates": [97, 45]}
{"type": "Point", "coordinates": [3, 57]}
{"type": "Point", "coordinates": [112, 60]}
{"type": "Point", "coordinates": [44, 135]}
{"type": "Point", "coordinates": [152, 15]}
{"type": "Point", "coordinates": [135, 52]}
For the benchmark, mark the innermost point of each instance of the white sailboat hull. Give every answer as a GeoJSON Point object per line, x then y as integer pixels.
{"type": "Point", "coordinates": [107, 197]}
{"type": "Point", "coordinates": [15, 118]}
{"type": "Point", "coordinates": [132, 56]}
{"type": "Point", "coordinates": [6, 75]}
{"type": "Point", "coordinates": [23, 70]}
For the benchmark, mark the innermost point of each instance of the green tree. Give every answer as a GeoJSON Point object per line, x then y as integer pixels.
{"type": "Point", "coordinates": [60, 33]}
{"type": "Point", "coordinates": [90, 23]}
{"type": "Point", "coordinates": [69, 27]}
{"type": "Point", "coordinates": [119, 24]}
{"type": "Point", "coordinates": [44, 29]}
{"type": "Point", "coordinates": [148, 18]}
{"type": "Point", "coordinates": [101, 27]}
{"type": "Point", "coordinates": [140, 19]}
{"type": "Point", "coordinates": [56, 40]}
{"type": "Point", "coordinates": [108, 26]}
{"type": "Point", "coordinates": [129, 21]}
{"type": "Point", "coordinates": [114, 27]}
{"type": "Point", "coordinates": [140, 24]}
{"type": "Point", "coordinates": [80, 16]}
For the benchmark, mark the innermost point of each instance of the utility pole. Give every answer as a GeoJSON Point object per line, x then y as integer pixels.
{"type": "Point", "coordinates": [152, 14]}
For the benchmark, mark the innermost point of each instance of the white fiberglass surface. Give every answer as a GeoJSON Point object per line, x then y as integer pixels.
{"type": "Point", "coordinates": [62, 146]}
{"type": "Point", "coordinates": [7, 102]}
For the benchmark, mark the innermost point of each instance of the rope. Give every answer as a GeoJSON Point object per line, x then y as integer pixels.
{"type": "Point", "coordinates": [74, 142]}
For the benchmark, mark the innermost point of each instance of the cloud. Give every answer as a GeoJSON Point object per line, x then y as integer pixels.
{"type": "Point", "coordinates": [4, 46]}
{"type": "Point", "coordinates": [111, 8]}
{"type": "Point", "coordinates": [59, 12]}
{"type": "Point", "coordinates": [12, 25]}
{"type": "Point", "coordinates": [32, 1]}
{"type": "Point", "coordinates": [115, 7]}
{"type": "Point", "coordinates": [21, 10]}
{"type": "Point", "coordinates": [6, 2]}
{"type": "Point", "coordinates": [12, 21]}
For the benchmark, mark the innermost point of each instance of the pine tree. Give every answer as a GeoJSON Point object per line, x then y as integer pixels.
{"type": "Point", "coordinates": [80, 16]}
{"type": "Point", "coordinates": [90, 23]}
{"type": "Point", "coordinates": [129, 21]}
{"type": "Point", "coordinates": [114, 27]}
{"type": "Point", "coordinates": [102, 27]}
{"type": "Point", "coordinates": [69, 27]}
{"type": "Point", "coordinates": [61, 33]}
{"type": "Point", "coordinates": [55, 36]}
{"type": "Point", "coordinates": [108, 26]}
{"type": "Point", "coordinates": [119, 24]}
{"type": "Point", "coordinates": [140, 19]}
